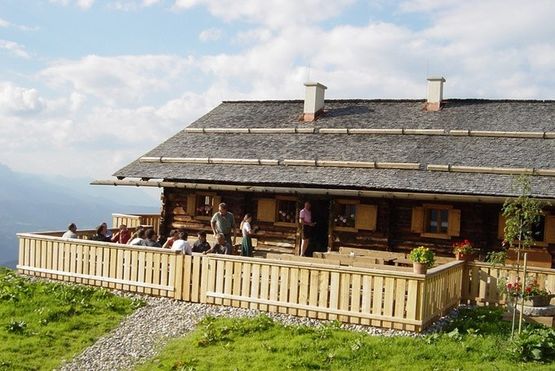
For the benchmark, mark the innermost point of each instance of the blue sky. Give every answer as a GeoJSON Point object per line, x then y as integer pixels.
{"type": "Point", "coordinates": [88, 85]}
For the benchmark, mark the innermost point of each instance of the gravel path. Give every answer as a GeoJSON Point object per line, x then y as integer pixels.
{"type": "Point", "coordinates": [141, 335]}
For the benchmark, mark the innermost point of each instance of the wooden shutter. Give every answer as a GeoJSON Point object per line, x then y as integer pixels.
{"type": "Point", "coordinates": [417, 221]}
{"type": "Point", "coordinates": [266, 211]}
{"type": "Point", "coordinates": [501, 227]}
{"type": "Point", "coordinates": [549, 229]}
{"type": "Point", "coordinates": [366, 217]}
{"type": "Point", "coordinates": [216, 201]}
{"type": "Point", "coordinates": [191, 204]}
{"type": "Point", "coordinates": [454, 222]}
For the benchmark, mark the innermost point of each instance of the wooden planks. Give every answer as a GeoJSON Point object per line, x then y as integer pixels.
{"type": "Point", "coordinates": [379, 297]}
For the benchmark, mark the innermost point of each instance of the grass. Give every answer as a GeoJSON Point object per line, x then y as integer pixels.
{"type": "Point", "coordinates": [43, 323]}
{"type": "Point", "coordinates": [478, 340]}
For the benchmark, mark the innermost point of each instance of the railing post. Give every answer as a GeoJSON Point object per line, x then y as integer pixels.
{"type": "Point", "coordinates": [178, 282]}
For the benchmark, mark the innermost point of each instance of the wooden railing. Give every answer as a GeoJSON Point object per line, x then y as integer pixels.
{"type": "Point", "coordinates": [390, 298]}
{"type": "Point", "coordinates": [481, 281]}
{"type": "Point", "coordinates": [122, 267]}
{"type": "Point", "coordinates": [135, 220]}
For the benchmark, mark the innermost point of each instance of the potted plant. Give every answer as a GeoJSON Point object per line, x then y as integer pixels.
{"type": "Point", "coordinates": [422, 258]}
{"type": "Point", "coordinates": [534, 295]}
{"type": "Point", "coordinates": [463, 250]}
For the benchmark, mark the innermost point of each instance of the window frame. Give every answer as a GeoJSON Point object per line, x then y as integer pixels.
{"type": "Point", "coordinates": [345, 202]}
{"type": "Point", "coordinates": [279, 199]}
{"type": "Point", "coordinates": [427, 209]}
{"type": "Point", "coordinates": [204, 194]}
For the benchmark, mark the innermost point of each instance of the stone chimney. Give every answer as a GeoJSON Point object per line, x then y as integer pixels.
{"type": "Point", "coordinates": [313, 100]}
{"type": "Point", "coordinates": [435, 93]}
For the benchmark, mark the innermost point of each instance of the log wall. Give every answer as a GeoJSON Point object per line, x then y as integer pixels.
{"type": "Point", "coordinates": [393, 226]}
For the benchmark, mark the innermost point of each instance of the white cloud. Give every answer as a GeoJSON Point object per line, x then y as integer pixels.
{"type": "Point", "coordinates": [110, 109]}
{"type": "Point", "coordinates": [274, 13]}
{"type": "Point", "coordinates": [210, 34]}
{"type": "Point", "coordinates": [18, 100]}
{"type": "Point", "coordinates": [82, 4]}
{"type": "Point", "coordinates": [14, 49]}
{"type": "Point", "coordinates": [6, 24]}
{"type": "Point", "coordinates": [255, 35]}
{"type": "Point", "coordinates": [132, 5]}
{"type": "Point", "coordinates": [117, 80]}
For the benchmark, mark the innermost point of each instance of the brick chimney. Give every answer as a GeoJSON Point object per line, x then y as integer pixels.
{"type": "Point", "coordinates": [313, 100]}
{"type": "Point", "coordinates": [435, 93]}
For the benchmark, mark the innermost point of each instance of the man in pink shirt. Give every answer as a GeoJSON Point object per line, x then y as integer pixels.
{"type": "Point", "coordinates": [305, 217]}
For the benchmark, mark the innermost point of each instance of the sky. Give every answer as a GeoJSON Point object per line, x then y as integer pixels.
{"type": "Point", "coordinates": [86, 86]}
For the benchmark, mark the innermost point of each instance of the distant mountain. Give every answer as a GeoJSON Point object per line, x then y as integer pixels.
{"type": "Point", "coordinates": [31, 203]}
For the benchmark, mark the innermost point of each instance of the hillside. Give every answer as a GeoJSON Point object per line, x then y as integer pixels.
{"type": "Point", "coordinates": [34, 203]}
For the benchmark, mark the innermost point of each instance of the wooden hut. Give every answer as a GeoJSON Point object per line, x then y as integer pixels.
{"type": "Point", "coordinates": [380, 174]}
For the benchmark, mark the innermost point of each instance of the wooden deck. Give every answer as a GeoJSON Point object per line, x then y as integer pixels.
{"type": "Point", "coordinates": [345, 287]}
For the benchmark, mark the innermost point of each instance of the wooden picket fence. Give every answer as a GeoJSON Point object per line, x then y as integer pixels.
{"type": "Point", "coordinates": [389, 298]}
{"type": "Point", "coordinates": [135, 220]}
{"type": "Point", "coordinates": [481, 281]}
{"type": "Point", "coordinates": [378, 297]}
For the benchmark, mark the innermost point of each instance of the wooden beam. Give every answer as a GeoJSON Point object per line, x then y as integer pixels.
{"type": "Point", "coordinates": [449, 197]}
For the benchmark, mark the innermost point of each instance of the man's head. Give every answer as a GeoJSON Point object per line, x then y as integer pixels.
{"type": "Point", "coordinates": [307, 205]}
{"type": "Point", "coordinates": [222, 208]}
{"type": "Point", "coordinates": [72, 227]}
{"type": "Point", "coordinates": [201, 236]}
{"type": "Point", "coordinates": [150, 234]}
{"type": "Point", "coordinates": [221, 238]}
{"type": "Point", "coordinates": [123, 228]}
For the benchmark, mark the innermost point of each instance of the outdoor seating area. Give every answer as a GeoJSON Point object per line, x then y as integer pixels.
{"type": "Point", "coordinates": [358, 286]}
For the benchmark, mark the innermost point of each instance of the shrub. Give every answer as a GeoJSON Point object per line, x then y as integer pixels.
{"type": "Point", "coordinates": [534, 344]}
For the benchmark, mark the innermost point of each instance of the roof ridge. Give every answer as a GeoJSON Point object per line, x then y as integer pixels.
{"type": "Point", "coordinates": [396, 100]}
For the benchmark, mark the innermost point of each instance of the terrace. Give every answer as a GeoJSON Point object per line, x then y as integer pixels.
{"type": "Point", "coordinates": [353, 286]}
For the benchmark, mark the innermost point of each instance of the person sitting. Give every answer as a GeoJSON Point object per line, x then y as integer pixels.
{"type": "Point", "coordinates": [150, 238]}
{"type": "Point", "coordinates": [174, 235]}
{"type": "Point", "coordinates": [123, 235]}
{"type": "Point", "coordinates": [100, 234]}
{"type": "Point", "coordinates": [139, 239]}
{"type": "Point", "coordinates": [71, 231]}
{"type": "Point", "coordinates": [107, 232]}
{"type": "Point", "coordinates": [136, 233]}
{"type": "Point", "coordinates": [201, 245]}
{"type": "Point", "coordinates": [222, 247]}
{"type": "Point", "coordinates": [181, 244]}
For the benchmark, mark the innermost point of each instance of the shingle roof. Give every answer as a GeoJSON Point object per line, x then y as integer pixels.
{"type": "Point", "coordinates": [456, 114]}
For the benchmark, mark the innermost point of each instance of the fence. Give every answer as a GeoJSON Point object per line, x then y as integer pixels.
{"type": "Point", "coordinates": [369, 296]}
{"type": "Point", "coordinates": [135, 220]}
{"type": "Point", "coordinates": [481, 281]}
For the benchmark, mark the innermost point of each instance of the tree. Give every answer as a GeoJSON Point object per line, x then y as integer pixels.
{"type": "Point", "coordinates": [521, 215]}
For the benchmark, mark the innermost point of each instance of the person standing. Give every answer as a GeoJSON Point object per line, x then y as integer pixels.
{"type": "Point", "coordinates": [305, 218]}
{"type": "Point", "coordinates": [246, 231]}
{"type": "Point", "coordinates": [223, 222]}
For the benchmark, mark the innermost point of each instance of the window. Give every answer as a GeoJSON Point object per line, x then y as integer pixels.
{"type": "Point", "coordinates": [538, 230]}
{"type": "Point", "coordinates": [204, 205]}
{"type": "Point", "coordinates": [345, 215]}
{"type": "Point", "coordinates": [437, 221]}
{"type": "Point", "coordinates": [286, 211]}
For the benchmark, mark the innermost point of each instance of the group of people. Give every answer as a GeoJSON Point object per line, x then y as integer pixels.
{"type": "Point", "coordinates": [222, 224]}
